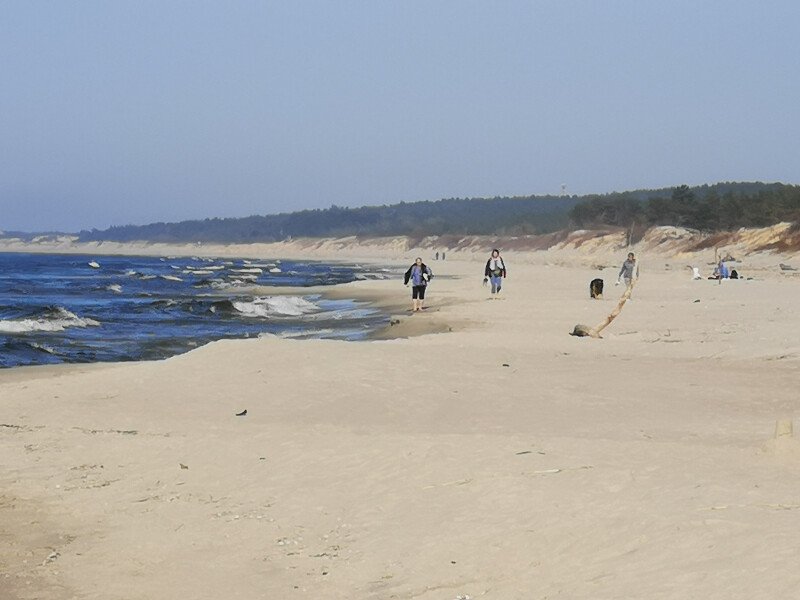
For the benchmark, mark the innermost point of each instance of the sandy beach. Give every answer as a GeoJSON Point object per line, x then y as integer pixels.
{"type": "Point", "coordinates": [213, 385]}
{"type": "Point", "coordinates": [482, 453]}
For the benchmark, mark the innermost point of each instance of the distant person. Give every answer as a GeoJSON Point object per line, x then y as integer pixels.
{"type": "Point", "coordinates": [419, 274]}
{"type": "Point", "coordinates": [495, 271]}
{"type": "Point", "coordinates": [437, 255]}
{"type": "Point", "coordinates": [442, 254]}
{"type": "Point", "coordinates": [721, 272]}
{"type": "Point", "coordinates": [629, 271]}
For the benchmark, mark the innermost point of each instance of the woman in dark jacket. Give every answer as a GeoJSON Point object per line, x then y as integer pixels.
{"type": "Point", "coordinates": [495, 271]}
{"type": "Point", "coordinates": [419, 274]}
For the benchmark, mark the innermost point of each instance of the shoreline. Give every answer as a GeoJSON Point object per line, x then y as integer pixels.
{"type": "Point", "coordinates": [14, 508]}
{"type": "Point", "coordinates": [258, 251]}
{"type": "Point", "coordinates": [398, 325]}
{"type": "Point", "coordinates": [375, 293]}
{"type": "Point", "coordinates": [501, 460]}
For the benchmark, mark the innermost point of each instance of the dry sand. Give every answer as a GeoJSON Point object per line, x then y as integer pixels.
{"type": "Point", "coordinates": [501, 459]}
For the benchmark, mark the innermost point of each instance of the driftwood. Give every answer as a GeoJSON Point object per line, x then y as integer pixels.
{"type": "Point", "coordinates": [586, 331]}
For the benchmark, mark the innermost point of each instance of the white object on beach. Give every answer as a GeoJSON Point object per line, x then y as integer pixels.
{"type": "Point", "coordinates": [696, 273]}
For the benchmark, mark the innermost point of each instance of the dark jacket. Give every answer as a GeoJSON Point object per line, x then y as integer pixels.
{"type": "Point", "coordinates": [423, 269]}
{"type": "Point", "coordinates": [488, 273]}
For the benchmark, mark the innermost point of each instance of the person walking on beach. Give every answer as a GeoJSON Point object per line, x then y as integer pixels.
{"type": "Point", "coordinates": [629, 271]}
{"type": "Point", "coordinates": [495, 271]}
{"type": "Point", "coordinates": [419, 274]}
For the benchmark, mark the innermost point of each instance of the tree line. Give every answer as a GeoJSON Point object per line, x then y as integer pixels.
{"type": "Point", "coordinates": [718, 207]}
{"type": "Point", "coordinates": [453, 216]}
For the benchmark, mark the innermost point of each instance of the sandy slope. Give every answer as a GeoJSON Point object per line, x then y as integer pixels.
{"type": "Point", "coordinates": [578, 247]}
{"type": "Point", "coordinates": [503, 459]}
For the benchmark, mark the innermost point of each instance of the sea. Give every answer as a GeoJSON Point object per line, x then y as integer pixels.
{"type": "Point", "coordinates": [82, 309]}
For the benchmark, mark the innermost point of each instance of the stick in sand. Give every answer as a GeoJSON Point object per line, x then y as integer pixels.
{"type": "Point", "coordinates": [586, 331]}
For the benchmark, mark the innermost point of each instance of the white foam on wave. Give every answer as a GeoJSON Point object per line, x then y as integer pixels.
{"type": "Point", "coordinates": [218, 284]}
{"type": "Point", "coordinates": [243, 279]}
{"type": "Point", "coordinates": [252, 270]}
{"type": "Point", "coordinates": [197, 272]}
{"type": "Point", "coordinates": [288, 306]}
{"type": "Point", "coordinates": [41, 348]}
{"type": "Point", "coordinates": [304, 334]}
{"type": "Point", "coordinates": [60, 320]}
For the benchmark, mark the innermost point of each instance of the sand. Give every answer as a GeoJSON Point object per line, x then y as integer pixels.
{"type": "Point", "coordinates": [497, 458]}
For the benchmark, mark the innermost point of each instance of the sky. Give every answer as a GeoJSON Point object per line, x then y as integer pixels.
{"type": "Point", "coordinates": [131, 112]}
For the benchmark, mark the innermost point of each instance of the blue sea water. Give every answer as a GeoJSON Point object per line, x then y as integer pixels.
{"type": "Point", "coordinates": [72, 308]}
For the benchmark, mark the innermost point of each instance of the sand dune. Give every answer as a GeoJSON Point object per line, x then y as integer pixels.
{"type": "Point", "coordinates": [501, 459]}
{"type": "Point", "coordinates": [576, 246]}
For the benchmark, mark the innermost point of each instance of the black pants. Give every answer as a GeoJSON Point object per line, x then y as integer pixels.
{"type": "Point", "coordinates": [418, 292]}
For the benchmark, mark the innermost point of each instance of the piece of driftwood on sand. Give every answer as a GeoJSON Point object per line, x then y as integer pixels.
{"type": "Point", "coordinates": [586, 331]}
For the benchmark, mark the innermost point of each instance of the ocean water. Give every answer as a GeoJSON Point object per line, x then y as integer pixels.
{"type": "Point", "coordinates": [71, 308]}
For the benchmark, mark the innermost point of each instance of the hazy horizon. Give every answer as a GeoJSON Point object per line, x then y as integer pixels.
{"type": "Point", "coordinates": [133, 113]}
{"type": "Point", "coordinates": [200, 218]}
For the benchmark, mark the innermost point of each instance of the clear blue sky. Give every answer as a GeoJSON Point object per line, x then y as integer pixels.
{"type": "Point", "coordinates": [139, 111]}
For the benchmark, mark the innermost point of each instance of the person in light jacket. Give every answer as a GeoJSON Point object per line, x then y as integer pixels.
{"type": "Point", "coordinates": [629, 271]}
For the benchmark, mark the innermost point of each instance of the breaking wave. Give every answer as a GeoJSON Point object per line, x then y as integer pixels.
{"type": "Point", "coordinates": [271, 306]}
{"type": "Point", "coordinates": [50, 319]}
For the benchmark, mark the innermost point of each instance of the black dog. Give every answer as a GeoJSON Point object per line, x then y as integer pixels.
{"type": "Point", "coordinates": [596, 288]}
